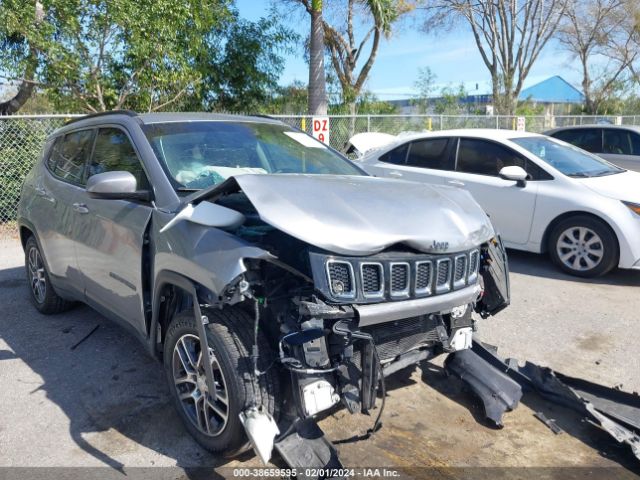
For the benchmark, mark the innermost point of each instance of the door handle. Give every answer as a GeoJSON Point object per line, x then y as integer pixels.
{"type": "Point", "coordinates": [395, 173]}
{"type": "Point", "coordinates": [80, 208]}
{"type": "Point", "coordinates": [455, 183]}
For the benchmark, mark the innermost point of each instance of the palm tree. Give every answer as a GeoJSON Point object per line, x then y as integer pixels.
{"type": "Point", "coordinates": [317, 81]}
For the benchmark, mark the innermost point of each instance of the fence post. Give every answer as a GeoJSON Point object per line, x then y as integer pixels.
{"type": "Point", "coordinates": [368, 123]}
{"type": "Point", "coordinates": [497, 122]}
{"type": "Point", "coordinates": [441, 121]}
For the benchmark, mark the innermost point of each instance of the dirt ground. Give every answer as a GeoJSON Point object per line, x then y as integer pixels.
{"type": "Point", "coordinates": [102, 409]}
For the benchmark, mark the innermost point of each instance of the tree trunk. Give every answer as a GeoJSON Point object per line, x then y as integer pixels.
{"type": "Point", "coordinates": [25, 89]}
{"type": "Point", "coordinates": [317, 80]}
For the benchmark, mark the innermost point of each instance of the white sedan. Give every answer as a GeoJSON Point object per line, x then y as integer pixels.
{"type": "Point", "coordinates": [542, 194]}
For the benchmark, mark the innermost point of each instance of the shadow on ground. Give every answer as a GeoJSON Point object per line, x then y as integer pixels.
{"type": "Point", "coordinates": [536, 265]}
{"type": "Point", "coordinates": [107, 384]}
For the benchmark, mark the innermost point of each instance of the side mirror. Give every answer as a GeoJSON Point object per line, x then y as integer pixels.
{"type": "Point", "coordinates": [514, 173]}
{"type": "Point", "coordinates": [207, 214]}
{"type": "Point", "coordinates": [115, 186]}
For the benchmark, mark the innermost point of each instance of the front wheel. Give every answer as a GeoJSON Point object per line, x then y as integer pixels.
{"type": "Point", "coordinates": [213, 420]}
{"type": "Point", "coordinates": [584, 246]}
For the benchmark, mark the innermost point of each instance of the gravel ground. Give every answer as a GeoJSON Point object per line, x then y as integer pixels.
{"type": "Point", "coordinates": [105, 404]}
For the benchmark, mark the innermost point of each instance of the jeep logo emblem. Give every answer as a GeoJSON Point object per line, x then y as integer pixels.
{"type": "Point", "coordinates": [442, 246]}
{"type": "Point", "coordinates": [338, 287]}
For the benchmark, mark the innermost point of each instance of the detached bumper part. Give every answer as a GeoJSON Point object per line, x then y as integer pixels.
{"type": "Point", "coordinates": [498, 392]}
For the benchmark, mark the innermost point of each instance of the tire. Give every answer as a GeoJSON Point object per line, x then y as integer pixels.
{"type": "Point", "coordinates": [584, 246]}
{"type": "Point", "coordinates": [42, 294]}
{"type": "Point", "coordinates": [230, 337]}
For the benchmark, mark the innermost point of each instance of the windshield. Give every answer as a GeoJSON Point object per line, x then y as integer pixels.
{"type": "Point", "coordinates": [566, 158]}
{"type": "Point", "coordinates": [197, 155]}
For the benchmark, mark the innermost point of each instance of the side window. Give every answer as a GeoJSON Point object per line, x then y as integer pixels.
{"type": "Point", "coordinates": [569, 136]}
{"type": "Point", "coordinates": [635, 143]}
{"type": "Point", "coordinates": [617, 142]}
{"type": "Point", "coordinates": [51, 158]}
{"type": "Point", "coordinates": [114, 152]}
{"type": "Point", "coordinates": [589, 139]}
{"type": "Point", "coordinates": [397, 156]}
{"type": "Point", "coordinates": [485, 158]}
{"type": "Point", "coordinates": [432, 153]}
{"type": "Point", "coordinates": [69, 155]}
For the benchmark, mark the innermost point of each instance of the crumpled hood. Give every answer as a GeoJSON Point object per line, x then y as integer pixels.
{"type": "Point", "coordinates": [622, 186]}
{"type": "Point", "coordinates": [354, 215]}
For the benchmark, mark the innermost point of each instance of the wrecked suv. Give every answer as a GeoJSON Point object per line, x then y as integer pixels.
{"type": "Point", "coordinates": [272, 277]}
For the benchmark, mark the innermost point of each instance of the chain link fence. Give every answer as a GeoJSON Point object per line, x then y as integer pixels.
{"type": "Point", "coordinates": [22, 138]}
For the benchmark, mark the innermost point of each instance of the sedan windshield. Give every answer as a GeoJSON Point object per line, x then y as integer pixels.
{"type": "Point", "coordinates": [566, 158]}
{"type": "Point", "coordinates": [197, 155]}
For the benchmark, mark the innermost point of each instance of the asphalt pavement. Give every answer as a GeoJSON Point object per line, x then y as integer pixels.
{"type": "Point", "coordinates": [104, 403]}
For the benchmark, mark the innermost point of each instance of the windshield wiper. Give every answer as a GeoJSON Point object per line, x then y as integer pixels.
{"type": "Point", "coordinates": [188, 190]}
{"type": "Point", "coordinates": [602, 173]}
{"type": "Point", "coordinates": [579, 174]}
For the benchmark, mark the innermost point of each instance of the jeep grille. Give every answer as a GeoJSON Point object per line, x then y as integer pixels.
{"type": "Point", "coordinates": [394, 276]}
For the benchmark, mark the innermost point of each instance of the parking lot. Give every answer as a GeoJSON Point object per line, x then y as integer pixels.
{"type": "Point", "coordinates": [104, 403]}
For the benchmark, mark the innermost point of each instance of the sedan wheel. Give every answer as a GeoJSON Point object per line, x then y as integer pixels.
{"type": "Point", "coordinates": [580, 248]}
{"type": "Point", "coordinates": [584, 245]}
{"type": "Point", "coordinates": [209, 414]}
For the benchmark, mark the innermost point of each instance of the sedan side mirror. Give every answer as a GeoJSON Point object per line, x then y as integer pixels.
{"type": "Point", "coordinates": [115, 186]}
{"type": "Point", "coordinates": [514, 173]}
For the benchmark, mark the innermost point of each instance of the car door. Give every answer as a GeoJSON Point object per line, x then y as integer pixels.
{"type": "Point", "coordinates": [112, 234]}
{"type": "Point", "coordinates": [510, 206]}
{"type": "Point", "coordinates": [54, 215]}
{"type": "Point", "coordinates": [423, 160]}
{"type": "Point", "coordinates": [621, 147]}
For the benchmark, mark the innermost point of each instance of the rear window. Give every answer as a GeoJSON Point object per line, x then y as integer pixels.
{"type": "Point", "coordinates": [397, 156]}
{"type": "Point", "coordinates": [432, 153]}
{"type": "Point", "coordinates": [69, 156]}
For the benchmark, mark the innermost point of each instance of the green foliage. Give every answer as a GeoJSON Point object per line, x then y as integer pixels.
{"type": "Point", "coordinates": [291, 99]}
{"type": "Point", "coordinates": [97, 54]}
{"type": "Point", "coordinates": [243, 63]}
{"type": "Point", "coordinates": [145, 55]}
{"type": "Point", "coordinates": [528, 108]}
{"type": "Point", "coordinates": [450, 99]}
{"type": "Point", "coordinates": [426, 87]}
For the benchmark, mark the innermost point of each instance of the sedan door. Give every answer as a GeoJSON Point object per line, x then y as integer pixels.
{"type": "Point", "coordinates": [509, 205]}
{"type": "Point", "coordinates": [112, 234]}
{"type": "Point", "coordinates": [621, 147]}
{"type": "Point", "coordinates": [424, 160]}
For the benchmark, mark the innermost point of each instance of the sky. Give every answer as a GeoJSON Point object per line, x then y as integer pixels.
{"type": "Point", "coordinates": [453, 57]}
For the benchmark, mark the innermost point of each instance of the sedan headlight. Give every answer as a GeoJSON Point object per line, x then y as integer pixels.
{"type": "Point", "coordinates": [634, 207]}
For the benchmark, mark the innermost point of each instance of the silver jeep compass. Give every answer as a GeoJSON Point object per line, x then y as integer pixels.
{"type": "Point", "coordinates": [273, 278]}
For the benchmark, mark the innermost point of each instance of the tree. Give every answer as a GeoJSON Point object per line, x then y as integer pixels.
{"type": "Point", "coordinates": [425, 86]}
{"type": "Point", "coordinates": [317, 76]}
{"type": "Point", "coordinates": [340, 43]}
{"type": "Point", "coordinates": [600, 34]}
{"type": "Point", "coordinates": [12, 43]}
{"type": "Point", "coordinates": [98, 55]}
{"type": "Point", "coordinates": [242, 64]}
{"type": "Point", "coordinates": [509, 34]}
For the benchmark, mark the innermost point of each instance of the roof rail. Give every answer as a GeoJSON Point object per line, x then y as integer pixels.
{"type": "Point", "coordinates": [129, 113]}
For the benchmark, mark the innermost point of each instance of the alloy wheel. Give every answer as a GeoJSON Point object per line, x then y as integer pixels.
{"type": "Point", "coordinates": [38, 279]}
{"type": "Point", "coordinates": [580, 248]}
{"type": "Point", "coordinates": [209, 413]}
